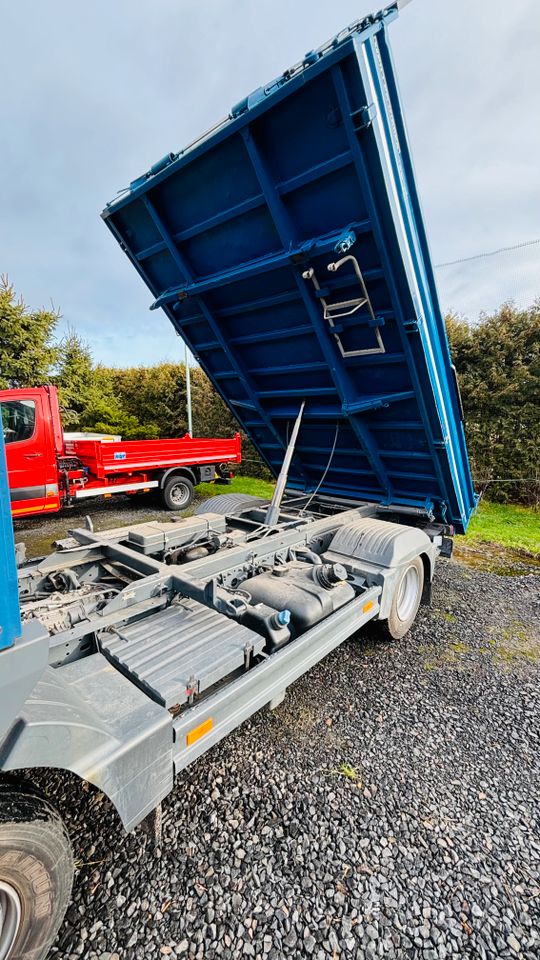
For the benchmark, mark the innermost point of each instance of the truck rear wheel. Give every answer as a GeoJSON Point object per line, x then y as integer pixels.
{"type": "Point", "coordinates": [36, 873]}
{"type": "Point", "coordinates": [177, 493]}
{"type": "Point", "coordinates": [407, 597]}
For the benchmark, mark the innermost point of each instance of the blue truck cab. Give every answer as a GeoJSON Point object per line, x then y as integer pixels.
{"type": "Point", "coordinates": [10, 616]}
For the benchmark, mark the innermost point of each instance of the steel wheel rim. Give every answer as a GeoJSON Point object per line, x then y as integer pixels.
{"type": "Point", "coordinates": [407, 594]}
{"type": "Point", "coordinates": [10, 918]}
{"type": "Point", "coordinates": [179, 495]}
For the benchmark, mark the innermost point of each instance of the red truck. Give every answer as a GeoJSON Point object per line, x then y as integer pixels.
{"type": "Point", "coordinates": [48, 470]}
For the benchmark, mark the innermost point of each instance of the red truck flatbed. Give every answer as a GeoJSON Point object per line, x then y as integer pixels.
{"type": "Point", "coordinates": [106, 458]}
{"type": "Point", "coordinates": [48, 471]}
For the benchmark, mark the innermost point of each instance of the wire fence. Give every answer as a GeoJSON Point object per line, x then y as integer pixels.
{"type": "Point", "coordinates": [480, 283]}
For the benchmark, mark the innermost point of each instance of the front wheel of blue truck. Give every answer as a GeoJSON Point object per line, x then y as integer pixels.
{"type": "Point", "coordinates": [36, 872]}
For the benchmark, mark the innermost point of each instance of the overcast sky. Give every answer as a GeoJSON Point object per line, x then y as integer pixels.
{"type": "Point", "coordinates": [93, 93]}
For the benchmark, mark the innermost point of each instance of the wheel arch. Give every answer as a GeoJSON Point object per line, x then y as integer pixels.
{"type": "Point", "coordinates": [111, 735]}
{"type": "Point", "coordinates": [384, 549]}
{"type": "Point", "coordinates": [188, 472]}
{"type": "Point", "coordinates": [27, 768]}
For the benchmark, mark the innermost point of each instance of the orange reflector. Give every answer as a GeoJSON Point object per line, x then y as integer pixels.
{"type": "Point", "coordinates": [199, 731]}
{"type": "Point", "coordinates": [106, 495]}
{"type": "Point", "coordinates": [367, 606]}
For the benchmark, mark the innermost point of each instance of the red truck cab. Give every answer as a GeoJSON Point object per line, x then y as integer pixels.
{"type": "Point", "coordinates": [34, 441]}
{"type": "Point", "coordinates": [46, 471]}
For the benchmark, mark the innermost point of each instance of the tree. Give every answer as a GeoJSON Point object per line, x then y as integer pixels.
{"type": "Point", "coordinates": [498, 364]}
{"type": "Point", "coordinates": [75, 377]}
{"type": "Point", "coordinates": [155, 395]}
{"type": "Point", "coordinates": [107, 411]}
{"type": "Point", "coordinates": [27, 349]}
{"type": "Point", "coordinates": [87, 394]}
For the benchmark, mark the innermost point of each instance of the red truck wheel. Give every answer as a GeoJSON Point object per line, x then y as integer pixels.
{"type": "Point", "coordinates": [36, 873]}
{"type": "Point", "coordinates": [177, 493]}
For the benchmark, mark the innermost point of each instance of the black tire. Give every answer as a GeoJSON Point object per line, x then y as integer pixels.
{"type": "Point", "coordinates": [36, 872]}
{"type": "Point", "coordinates": [229, 504]}
{"type": "Point", "coordinates": [177, 493]}
{"type": "Point", "coordinates": [407, 597]}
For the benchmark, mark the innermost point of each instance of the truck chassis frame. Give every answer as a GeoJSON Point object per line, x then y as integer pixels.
{"type": "Point", "coordinates": [87, 715]}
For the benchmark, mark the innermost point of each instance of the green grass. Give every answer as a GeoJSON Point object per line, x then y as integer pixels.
{"type": "Point", "coordinates": [350, 773]}
{"type": "Point", "coordinates": [258, 488]}
{"type": "Point", "coordinates": [506, 524]}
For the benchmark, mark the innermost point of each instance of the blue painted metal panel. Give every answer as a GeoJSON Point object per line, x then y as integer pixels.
{"type": "Point", "coordinates": [234, 237]}
{"type": "Point", "coordinates": [10, 618]}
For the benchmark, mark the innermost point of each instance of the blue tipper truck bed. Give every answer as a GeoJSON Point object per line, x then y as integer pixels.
{"type": "Point", "coordinates": [287, 247]}
{"type": "Point", "coordinates": [233, 236]}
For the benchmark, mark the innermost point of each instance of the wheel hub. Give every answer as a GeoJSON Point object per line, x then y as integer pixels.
{"type": "Point", "coordinates": [408, 593]}
{"type": "Point", "coordinates": [179, 493]}
{"type": "Point", "coordinates": [10, 918]}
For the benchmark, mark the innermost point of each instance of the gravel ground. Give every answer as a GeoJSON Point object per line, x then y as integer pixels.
{"type": "Point", "coordinates": [388, 808]}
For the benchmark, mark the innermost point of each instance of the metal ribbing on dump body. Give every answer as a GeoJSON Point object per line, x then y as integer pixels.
{"type": "Point", "coordinates": [189, 648]}
{"type": "Point", "coordinates": [253, 276]}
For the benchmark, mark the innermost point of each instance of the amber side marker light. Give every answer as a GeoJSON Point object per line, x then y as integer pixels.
{"type": "Point", "coordinates": [367, 606]}
{"type": "Point", "coordinates": [199, 731]}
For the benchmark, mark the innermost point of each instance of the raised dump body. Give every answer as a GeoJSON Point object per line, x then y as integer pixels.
{"type": "Point", "coordinates": [288, 249]}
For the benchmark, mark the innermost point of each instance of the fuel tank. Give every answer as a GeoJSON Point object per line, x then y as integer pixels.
{"type": "Point", "coordinates": [310, 592]}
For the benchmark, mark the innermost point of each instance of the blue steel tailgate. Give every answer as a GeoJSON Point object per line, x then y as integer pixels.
{"type": "Point", "coordinates": [234, 237]}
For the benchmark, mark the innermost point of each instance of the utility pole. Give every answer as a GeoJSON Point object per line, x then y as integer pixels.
{"type": "Point", "coordinates": [188, 393]}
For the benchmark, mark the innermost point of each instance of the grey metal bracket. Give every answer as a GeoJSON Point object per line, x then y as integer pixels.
{"type": "Point", "coordinates": [278, 698]}
{"type": "Point", "coordinates": [153, 826]}
{"type": "Point", "coordinates": [345, 308]}
{"type": "Point", "coordinates": [363, 117]}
